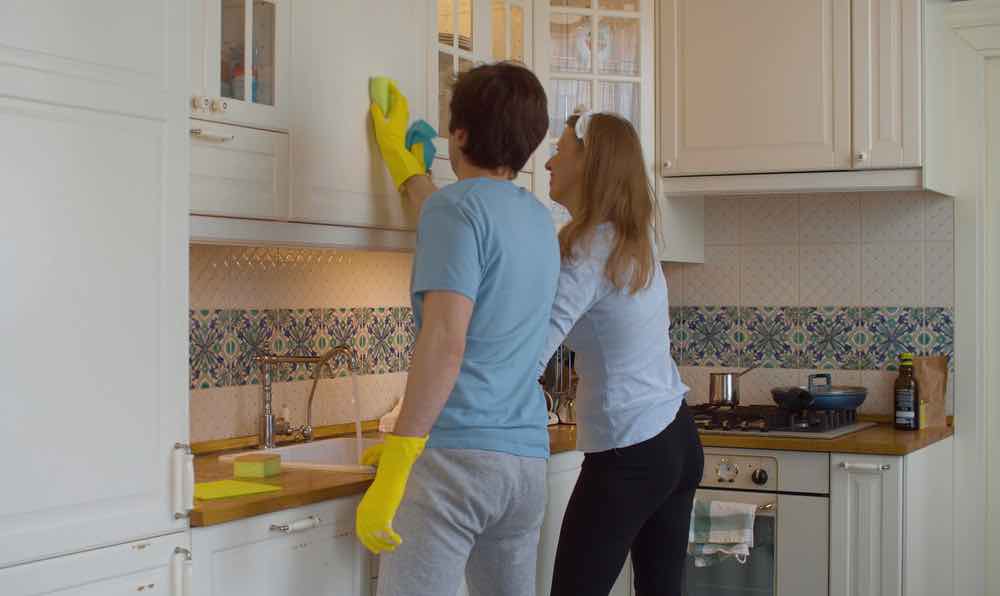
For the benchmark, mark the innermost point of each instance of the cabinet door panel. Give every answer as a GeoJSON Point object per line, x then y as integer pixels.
{"type": "Point", "coordinates": [94, 239]}
{"type": "Point", "coordinates": [866, 526]}
{"type": "Point", "coordinates": [338, 175]}
{"type": "Point", "coordinates": [886, 86]}
{"type": "Point", "coordinates": [239, 172]}
{"type": "Point", "coordinates": [755, 86]}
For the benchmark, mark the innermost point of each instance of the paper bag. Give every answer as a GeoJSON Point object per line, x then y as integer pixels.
{"type": "Point", "coordinates": [931, 375]}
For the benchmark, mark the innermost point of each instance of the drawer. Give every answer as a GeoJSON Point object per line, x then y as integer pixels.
{"type": "Point", "coordinates": [239, 172]}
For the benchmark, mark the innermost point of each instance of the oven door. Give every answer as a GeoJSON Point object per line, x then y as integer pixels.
{"type": "Point", "coordinates": [790, 555]}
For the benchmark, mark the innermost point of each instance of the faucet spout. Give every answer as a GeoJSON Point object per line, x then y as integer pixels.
{"type": "Point", "coordinates": [344, 355]}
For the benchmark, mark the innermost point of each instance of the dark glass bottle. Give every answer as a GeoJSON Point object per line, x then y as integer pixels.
{"type": "Point", "coordinates": [906, 397]}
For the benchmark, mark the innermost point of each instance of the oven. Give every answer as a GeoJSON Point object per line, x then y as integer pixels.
{"type": "Point", "coordinates": [790, 554]}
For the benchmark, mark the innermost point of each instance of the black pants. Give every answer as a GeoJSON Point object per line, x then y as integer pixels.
{"type": "Point", "coordinates": [637, 498]}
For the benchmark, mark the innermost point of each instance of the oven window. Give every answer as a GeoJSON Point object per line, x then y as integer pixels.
{"type": "Point", "coordinates": [731, 578]}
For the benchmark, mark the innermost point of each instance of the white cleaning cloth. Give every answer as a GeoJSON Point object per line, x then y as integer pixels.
{"type": "Point", "coordinates": [387, 423]}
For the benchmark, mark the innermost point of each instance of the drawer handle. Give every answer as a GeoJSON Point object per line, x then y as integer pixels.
{"type": "Point", "coordinates": [876, 468]}
{"type": "Point", "coordinates": [297, 526]}
{"type": "Point", "coordinates": [207, 136]}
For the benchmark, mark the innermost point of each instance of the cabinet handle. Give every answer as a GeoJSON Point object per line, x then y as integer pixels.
{"type": "Point", "coordinates": [875, 468]}
{"type": "Point", "coordinates": [183, 480]}
{"type": "Point", "coordinates": [297, 526]}
{"type": "Point", "coordinates": [181, 572]}
{"type": "Point", "coordinates": [207, 136]}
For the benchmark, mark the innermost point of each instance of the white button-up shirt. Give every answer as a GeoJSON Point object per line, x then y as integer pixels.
{"type": "Point", "coordinates": [629, 388]}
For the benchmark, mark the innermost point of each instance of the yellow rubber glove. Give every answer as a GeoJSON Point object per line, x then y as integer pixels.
{"type": "Point", "coordinates": [378, 507]}
{"type": "Point", "coordinates": [372, 455]}
{"type": "Point", "coordinates": [390, 133]}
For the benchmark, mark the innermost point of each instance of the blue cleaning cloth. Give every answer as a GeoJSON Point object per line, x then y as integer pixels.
{"type": "Point", "coordinates": [422, 132]}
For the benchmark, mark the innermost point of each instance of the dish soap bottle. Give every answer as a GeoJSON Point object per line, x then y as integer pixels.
{"type": "Point", "coordinates": [906, 397]}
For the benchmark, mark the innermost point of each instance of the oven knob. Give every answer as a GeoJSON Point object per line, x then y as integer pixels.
{"type": "Point", "coordinates": [759, 477]}
{"type": "Point", "coordinates": [726, 471]}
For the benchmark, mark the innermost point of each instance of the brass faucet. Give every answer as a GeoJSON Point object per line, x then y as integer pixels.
{"type": "Point", "coordinates": [269, 425]}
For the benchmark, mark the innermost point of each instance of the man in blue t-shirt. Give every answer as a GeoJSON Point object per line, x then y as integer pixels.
{"type": "Point", "coordinates": [484, 278]}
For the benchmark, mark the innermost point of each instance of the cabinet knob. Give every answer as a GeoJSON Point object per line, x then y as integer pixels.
{"type": "Point", "coordinates": [861, 156]}
{"type": "Point", "coordinates": [667, 166]}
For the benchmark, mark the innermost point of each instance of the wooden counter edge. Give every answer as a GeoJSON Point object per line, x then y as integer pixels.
{"type": "Point", "coordinates": [881, 440]}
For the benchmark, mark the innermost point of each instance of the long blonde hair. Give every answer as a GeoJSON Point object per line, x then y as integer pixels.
{"type": "Point", "coordinates": [615, 189]}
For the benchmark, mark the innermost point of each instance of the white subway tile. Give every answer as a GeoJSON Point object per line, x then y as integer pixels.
{"type": "Point", "coordinates": [769, 220]}
{"type": "Point", "coordinates": [892, 274]}
{"type": "Point", "coordinates": [830, 218]}
{"type": "Point", "coordinates": [716, 282]}
{"type": "Point", "coordinates": [830, 275]}
{"type": "Point", "coordinates": [769, 275]}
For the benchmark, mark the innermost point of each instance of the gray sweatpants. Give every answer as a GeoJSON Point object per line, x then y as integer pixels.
{"type": "Point", "coordinates": [477, 512]}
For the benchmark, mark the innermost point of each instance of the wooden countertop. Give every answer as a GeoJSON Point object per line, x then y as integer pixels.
{"type": "Point", "coordinates": [879, 440]}
{"type": "Point", "coordinates": [301, 487]}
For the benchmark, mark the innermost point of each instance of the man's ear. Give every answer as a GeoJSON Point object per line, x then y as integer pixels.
{"type": "Point", "coordinates": [459, 136]}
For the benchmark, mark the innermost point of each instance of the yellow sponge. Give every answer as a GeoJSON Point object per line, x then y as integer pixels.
{"type": "Point", "coordinates": [257, 465]}
{"type": "Point", "coordinates": [378, 91]}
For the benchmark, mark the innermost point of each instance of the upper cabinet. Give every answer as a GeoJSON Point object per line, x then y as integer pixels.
{"type": "Point", "coordinates": [466, 33]}
{"type": "Point", "coordinates": [789, 86]}
{"type": "Point", "coordinates": [240, 62]}
{"type": "Point", "coordinates": [338, 176]}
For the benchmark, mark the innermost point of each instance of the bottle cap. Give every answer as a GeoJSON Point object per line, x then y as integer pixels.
{"type": "Point", "coordinates": [906, 358]}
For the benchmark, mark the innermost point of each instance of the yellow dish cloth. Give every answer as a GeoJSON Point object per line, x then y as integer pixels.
{"type": "Point", "coordinates": [223, 489]}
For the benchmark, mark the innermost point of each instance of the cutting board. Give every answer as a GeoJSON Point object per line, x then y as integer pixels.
{"type": "Point", "coordinates": [224, 489]}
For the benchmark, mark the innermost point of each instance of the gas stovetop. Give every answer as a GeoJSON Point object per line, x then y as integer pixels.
{"type": "Point", "coordinates": [773, 421]}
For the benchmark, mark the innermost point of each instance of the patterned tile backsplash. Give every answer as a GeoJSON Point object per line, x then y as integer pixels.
{"type": "Point", "coordinates": [246, 301]}
{"type": "Point", "coordinates": [840, 282]}
{"type": "Point", "coordinates": [821, 337]}
{"type": "Point", "coordinates": [225, 343]}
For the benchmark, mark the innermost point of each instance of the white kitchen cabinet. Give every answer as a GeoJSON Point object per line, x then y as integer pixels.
{"type": "Point", "coordinates": [297, 552]}
{"type": "Point", "coordinates": [866, 542]}
{"type": "Point", "coordinates": [886, 85]}
{"type": "Point", "coordinates": [466, 33]}
{"type": "Point", "coordinates": [93, 130]}
{"type": "Point", "coordinates": [154, 567]}
{"type": "Point", "coordinates": [338, 175]}
{"type": "Point", "coordinates": [228, 35]}
{"type": "Point", "coordinates": [238, 171]}
{"type": "Point", "coordinates": [754, 87]}
{"type": "Point", "coordinates": [891, 529]}
{"type": "Point", "coordinates": [564, 469]}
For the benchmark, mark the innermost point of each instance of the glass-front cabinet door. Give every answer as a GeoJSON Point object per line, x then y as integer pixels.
{"type": "Point", "coordinates": [242, 77]}
{"type": "Point", "coordinates": [471, 32]}
{"type": "Point", "coordinates": [595, 55]}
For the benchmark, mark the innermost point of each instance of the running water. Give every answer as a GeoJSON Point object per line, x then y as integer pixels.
{"type": "Point", "coordinates": [357, 415]}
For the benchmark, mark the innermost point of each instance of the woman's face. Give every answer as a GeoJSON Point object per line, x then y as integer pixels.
{"type": "Point", "coordinates": [566, 169]}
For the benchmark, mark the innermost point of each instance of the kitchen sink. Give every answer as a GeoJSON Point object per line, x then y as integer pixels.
{"type": "Point", "coordinates": [333, 455]}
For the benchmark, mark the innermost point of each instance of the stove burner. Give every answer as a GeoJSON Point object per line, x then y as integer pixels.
{"type": "Point", "coordinates": [770, 418]}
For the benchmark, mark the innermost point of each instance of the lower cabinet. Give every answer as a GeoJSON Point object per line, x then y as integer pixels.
{"type": "Point", "coordinates": [891, 531]}
{"type": "Point", "coordinates": [153, 567]}
{"type": "Point", "coordinates": [305, 551]}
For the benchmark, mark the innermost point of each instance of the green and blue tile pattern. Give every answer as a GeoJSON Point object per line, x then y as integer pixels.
{"type": "Point", "coordinates": [225, 343]}
{"type": "Point", "coordinates": [809, 337]}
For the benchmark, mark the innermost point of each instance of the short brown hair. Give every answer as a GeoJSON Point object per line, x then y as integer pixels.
{"type": "Point", "coordinates": [616, 189]}
{"type": "Point", "coordinates": [502, 109]}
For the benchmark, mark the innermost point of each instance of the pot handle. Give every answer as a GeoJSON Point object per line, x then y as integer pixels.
{"type": "Point", "coordinates": [813, 384]}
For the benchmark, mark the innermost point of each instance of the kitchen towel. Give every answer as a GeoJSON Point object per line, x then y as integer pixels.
{"type": "Point", "coordinates": [223, 489]}
{"type": "Point", "coordinates": [719, 530]}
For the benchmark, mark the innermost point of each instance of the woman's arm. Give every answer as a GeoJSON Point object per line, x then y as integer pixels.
{"type": "Point", "coordinates": [579, 289]}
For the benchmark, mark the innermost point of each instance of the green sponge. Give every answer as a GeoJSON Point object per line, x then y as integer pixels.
{"type": "Point", "coordinates": [378, 90]}
{"type": "Point", "coordinates": [257, 465]}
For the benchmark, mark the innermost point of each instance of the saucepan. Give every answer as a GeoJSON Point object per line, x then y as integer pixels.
{"type": "Point", "coordinates": [820, 394]}
{"type": "Point", "coordinates": [724, 388]}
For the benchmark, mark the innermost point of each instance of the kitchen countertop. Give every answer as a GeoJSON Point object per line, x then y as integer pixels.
{"type": "Point", "coordinates": [878, 440]}
{"type": "Point", "coordinates": [301, 487]}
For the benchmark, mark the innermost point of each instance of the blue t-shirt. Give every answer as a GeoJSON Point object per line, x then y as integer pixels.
{"type": "Point", "coordinates": [494, 243]}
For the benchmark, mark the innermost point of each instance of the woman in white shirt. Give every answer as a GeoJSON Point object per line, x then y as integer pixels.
{"type": "Point", "coordinates": [643, 459]}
